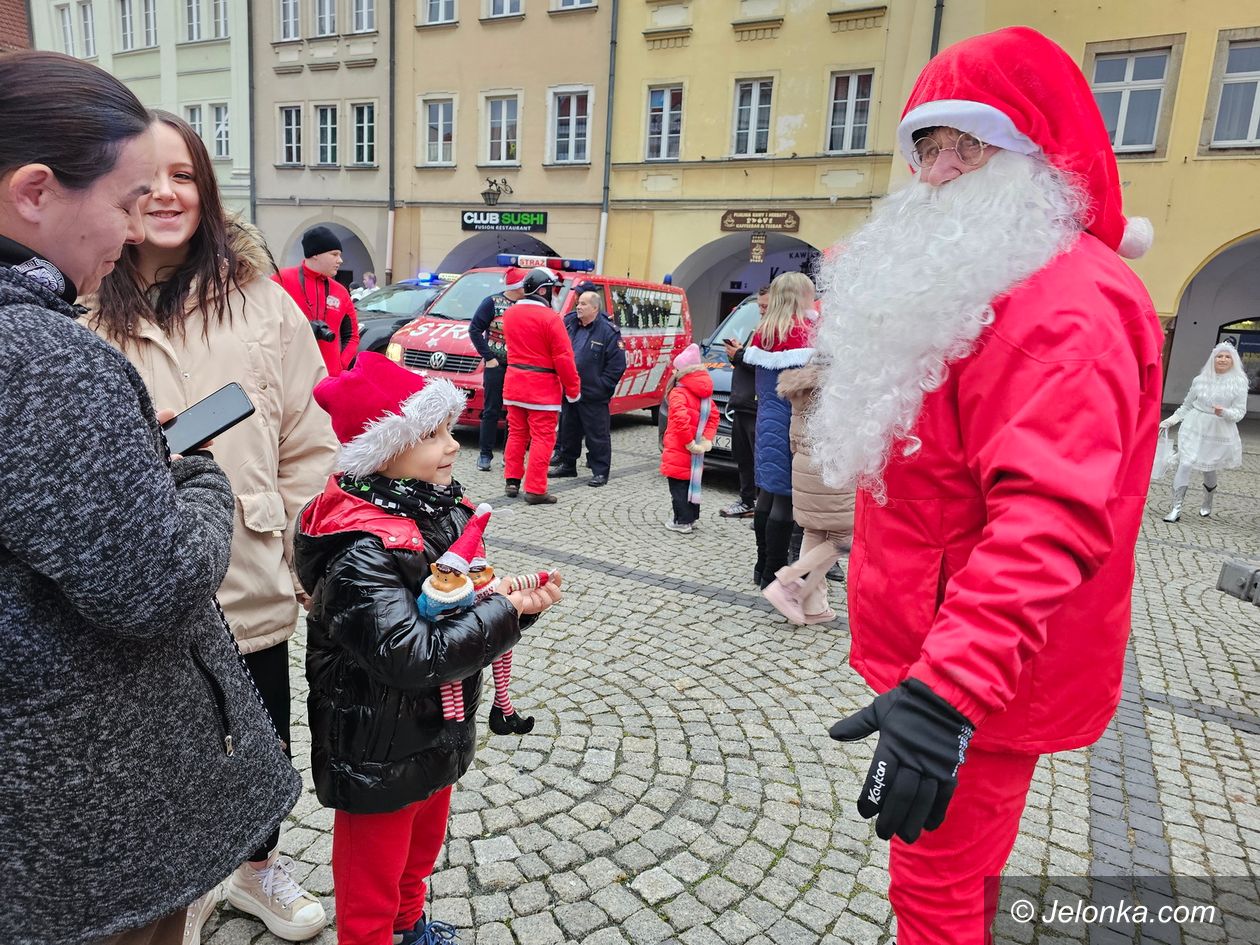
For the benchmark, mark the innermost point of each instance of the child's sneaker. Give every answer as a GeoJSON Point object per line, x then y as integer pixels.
{"type": "Point", "coordinates": [272, 895]}
{"type": "Point", "coordinates": [425, 932]}
{"type": "Point", "coordinates": [678, 527]}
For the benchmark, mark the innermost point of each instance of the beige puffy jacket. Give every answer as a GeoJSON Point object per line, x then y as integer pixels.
{"type": "Point", "coordinates": [814, 503]}
{"type": "Point", "coordinates": [279, 458]}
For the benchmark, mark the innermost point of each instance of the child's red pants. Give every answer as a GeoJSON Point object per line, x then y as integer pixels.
{"type": "Point", "coordinates": [380, 863]}
{"type": "Point", "coordinates": [936, 884]}
{"type": "Point", "coordinates": [535, 431]}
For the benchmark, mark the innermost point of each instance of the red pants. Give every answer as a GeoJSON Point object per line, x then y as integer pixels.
{"type": "Point", "coordinates": [535, 431]}
{"type": "Point", "coordinates": [380, 863]}
{"type": "Point", "coordinates": [936, 884]}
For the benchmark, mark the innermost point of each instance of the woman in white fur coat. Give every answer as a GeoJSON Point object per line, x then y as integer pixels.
{"type": "Point", "coordinates": [1208, 440]}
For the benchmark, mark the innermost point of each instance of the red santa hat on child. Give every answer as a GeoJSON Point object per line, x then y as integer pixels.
{"type": "Point", "coordinates": [469, 546]}
{"type": "Point", "coordinates": [1018, 90]}
{"type": "Point", "coordinates": [514, 278]}
{"type": "Point", "coordinates": [380, 409]}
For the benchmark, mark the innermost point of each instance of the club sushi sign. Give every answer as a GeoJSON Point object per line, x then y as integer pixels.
{"type": "Point", "coordinates": [512, 221]}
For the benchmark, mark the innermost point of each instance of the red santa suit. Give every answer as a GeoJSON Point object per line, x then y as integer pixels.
{"type": "Point", "coordinates": [541, 372]}
{"type": "Point", "coordinates": [325, 300]}
{"type": "Point", "coordinates": [999, 571]}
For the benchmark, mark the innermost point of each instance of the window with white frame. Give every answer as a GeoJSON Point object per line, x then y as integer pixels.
{"type": "Point", "coordinates": [65, 19]}
{"type": "Point", "coordinates": [325, 17]}
{"type": "Point", "coordinates": [570, 127]}
{"type": "Point", "coordinates": [439, 131]}
{"type": "Point", "coordinates": [752, 116]}
{"type": "Point", "coordinates": [501, 113]}
{"type": "Point", "coordinates": [192, 115]}
{"type": "Point", "coordinates": [222, 134]}
{"type": "Point", "coordinates": [192, 15]}
{"type": "Point", "coordinates": [326, 134]}
{"type": "Point", "coordinates": [439, 11]}
{"type": "Point", "coordinates": [150, 23]}
{"type": "Point", "coordinates": [363, 16]}
{"type": "Point", "coordinates": [290, 19]}
{"type": "Point", "coordinates": [364, 115]}
{"type": "Point", "coordinates": [87, 24]}
{"type": "Point", "coordinates": [570, 4]}
{"type": "Point", "coordinates": [290, 134]}
{"type": "Point", "coordinates": [664, 131]}
{"type": "Point", "coordinates": [219, 18]}
{"type": "Point", "coordinates": [1238, 115]}
{"type": "Point", "coordinates": [850, 111]}
{"type": "Point", "coordinates": [1129, 89]}
{"type": "Point", "coordinates": [126, 25]}
{"type": "Point", "coordinates": [505, 7]}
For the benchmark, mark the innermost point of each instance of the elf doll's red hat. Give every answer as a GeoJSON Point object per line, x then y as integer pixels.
{"type": "Point", "coordinates": [380, 409]}
{"type": "Point", "coordinates": [1018, 90]}
{"type": "Point", "coordinates": [469, 546]}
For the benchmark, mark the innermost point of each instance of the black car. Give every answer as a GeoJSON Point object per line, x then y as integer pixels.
{"type": "Point", "coordinates": [739, 324]}
{"type": "Point", "coordinates": [383, 311]}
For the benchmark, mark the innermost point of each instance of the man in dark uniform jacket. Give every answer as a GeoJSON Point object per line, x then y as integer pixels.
{"type": "Point", "coordinates": [485, 331]}
{"type": "Point", "coordinates": [601, 361]}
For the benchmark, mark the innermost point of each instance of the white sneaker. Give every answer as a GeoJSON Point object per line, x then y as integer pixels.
{"type": "Point", "coordinates": [678, 527]}
{"type": "Point", "coordinates": [198, 912]}
{"type": "Point", "coordinates": [270, 894]}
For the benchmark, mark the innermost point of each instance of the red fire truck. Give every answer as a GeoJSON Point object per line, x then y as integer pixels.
{"type": "Point", "coordinates": [653, 317]}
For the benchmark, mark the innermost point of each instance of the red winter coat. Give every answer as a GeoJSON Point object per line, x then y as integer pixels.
{"type": "Point", "coordinates": [326, 300]}
{"type": "Point", "coordinates": [999, 572]}
{"type": "Point", "coordinates": [684, 416]}
{"type": "Point", "coordinates": [541, 370]}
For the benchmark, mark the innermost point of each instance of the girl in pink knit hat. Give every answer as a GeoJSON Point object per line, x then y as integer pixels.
{"type": "Point", "coordinates": [693, 420]}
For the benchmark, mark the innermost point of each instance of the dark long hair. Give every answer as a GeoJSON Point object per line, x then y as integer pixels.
{"type": "Point", "coordinates": [65, 113]}
{"type": "Point", "coordinates": [212, 264]}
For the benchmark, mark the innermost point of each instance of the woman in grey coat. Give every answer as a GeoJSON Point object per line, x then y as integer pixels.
{"type": "Point", "coordinates": [137, 766]}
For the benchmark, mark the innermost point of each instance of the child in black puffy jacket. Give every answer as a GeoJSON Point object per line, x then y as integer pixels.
{"type": "Point", "coordinates": [382, 754]}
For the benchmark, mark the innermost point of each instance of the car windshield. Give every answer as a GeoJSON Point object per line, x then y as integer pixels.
{"type": "Point", "coordinates": [400, 299]}
{"type": "Point", "coordinates": [460, 301]}
{"type": "Point", "coordinates": [739, 324]}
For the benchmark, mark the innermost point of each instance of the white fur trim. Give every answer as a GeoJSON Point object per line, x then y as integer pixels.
{"type": "Point", "coordinates": [777, 360]}
{"type": "Point", "coordinates": [1139, 234]}
{"type": "Point", "coordinates": [421, 414]}
{"type": "Point", "coordinates": [446, 597]}
{"type": "Point", "coordinates": [984, 121]}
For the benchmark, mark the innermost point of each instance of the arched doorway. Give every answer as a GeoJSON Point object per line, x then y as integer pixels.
{"type": "Point", "coordinates": [1221, 302]}
{"type": "Point", "coordinates": [355, 258]}
{"type": "Point", "coordinates": [718, 275]}
{"type": "Point", "coordinates": [481, 250]}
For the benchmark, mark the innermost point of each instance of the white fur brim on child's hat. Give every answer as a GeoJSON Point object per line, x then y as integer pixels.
{"type": "Point", "coordinates": [379, 409]}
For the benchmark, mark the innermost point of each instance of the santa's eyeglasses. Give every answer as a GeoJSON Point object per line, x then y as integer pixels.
{"type": "Point", "coordinates": [968, 147]}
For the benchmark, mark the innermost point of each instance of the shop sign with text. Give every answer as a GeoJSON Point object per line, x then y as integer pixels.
{"type": "Point", "coordinates": [513, 221]}
{"type": "Point", "coordinates": [782, 221]}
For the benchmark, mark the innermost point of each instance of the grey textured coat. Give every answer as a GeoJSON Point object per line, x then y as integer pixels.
{"type": "Point", "coordinates": [119, 688]}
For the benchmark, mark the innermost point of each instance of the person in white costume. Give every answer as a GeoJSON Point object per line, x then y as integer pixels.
{"type": "Point", "coordinates": [1209, 440]}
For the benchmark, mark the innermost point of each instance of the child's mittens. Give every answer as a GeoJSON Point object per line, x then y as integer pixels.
{"type": "Point", "coordinates": [700, 447]}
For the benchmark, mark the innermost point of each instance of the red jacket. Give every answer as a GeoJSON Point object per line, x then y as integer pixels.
{"type": "Point", "coordinates": [541, 370]}
{"type": "Point", "coordinates": [326, 300]}
{"type": "Point", "coordinates": [684, 417]}
{"type": "Point", "coordinates": [1000, 570]}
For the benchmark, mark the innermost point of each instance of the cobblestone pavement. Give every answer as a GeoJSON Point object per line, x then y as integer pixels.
{"type": "Point", "coordinates": [679, 785]}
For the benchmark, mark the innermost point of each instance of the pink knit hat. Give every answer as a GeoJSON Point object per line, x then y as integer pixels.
{"type": "Point", "coordinates": [688, 359]}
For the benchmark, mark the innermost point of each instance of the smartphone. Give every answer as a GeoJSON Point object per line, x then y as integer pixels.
{"type": "Point", "coordinates": [207, 418]}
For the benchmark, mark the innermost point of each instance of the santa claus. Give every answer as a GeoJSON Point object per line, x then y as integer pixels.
{"type": "Point", "coordinates": [993, 388]}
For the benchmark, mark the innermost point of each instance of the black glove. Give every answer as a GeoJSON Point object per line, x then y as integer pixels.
{"type": "Point", "coordinates": [922, 743]}
{"type": "Point", "coordinates": [322, 331]}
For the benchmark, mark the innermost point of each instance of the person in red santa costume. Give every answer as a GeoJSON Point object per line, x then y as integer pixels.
{"type": "Point", "coordinates": [994, 391]}
{"type": "Point", "coordinates": [541, 371]}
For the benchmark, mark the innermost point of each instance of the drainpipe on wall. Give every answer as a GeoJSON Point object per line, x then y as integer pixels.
{"type": "Point", "coordinates": [253, 116]}
{"type": "Point", "coordinates": [608, 132]}
{"type": "Point", "coordinates": [389, 222]}
{"type": "Point", "coordinates": [936, 27]}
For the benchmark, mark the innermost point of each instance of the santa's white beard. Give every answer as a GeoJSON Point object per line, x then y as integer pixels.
{"type": "Point", "coordinates": [910, 292]}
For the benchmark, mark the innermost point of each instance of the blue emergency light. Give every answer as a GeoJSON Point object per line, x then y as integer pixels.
{"type": "Point", "coordinates": [547, 262]}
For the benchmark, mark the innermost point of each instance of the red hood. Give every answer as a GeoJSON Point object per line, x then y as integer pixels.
{"type": "Point", "coordinates": [698, 383]}
{"type": "Point", "coordinates": [334, 511]}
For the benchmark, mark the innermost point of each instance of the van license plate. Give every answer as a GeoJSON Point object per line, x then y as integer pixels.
{"type": "Point", "coordinates": [722, 443]}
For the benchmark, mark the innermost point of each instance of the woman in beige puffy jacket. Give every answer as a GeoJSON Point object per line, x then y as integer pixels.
{"type": "Point", "coordinates": [799, 591]}
{"type": "Point", "coordinates": [192, 308]}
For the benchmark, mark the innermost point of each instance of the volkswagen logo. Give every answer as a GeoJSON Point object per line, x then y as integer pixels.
{"type": "Point", "coordinates": [437, 360]}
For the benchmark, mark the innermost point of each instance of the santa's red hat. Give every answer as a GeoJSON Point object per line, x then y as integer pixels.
{"type": "Point", "coordinates": [514, 278]}
{"type": "Point", "coordinates": [469, 546]}
{"type": "Point", "coordinates": [380, 409]}
{"type": "Point", "coordinates": [1018, 90]}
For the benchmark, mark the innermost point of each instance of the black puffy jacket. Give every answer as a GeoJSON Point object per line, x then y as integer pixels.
{"type": "Point", "coordinates": [378, 739]}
